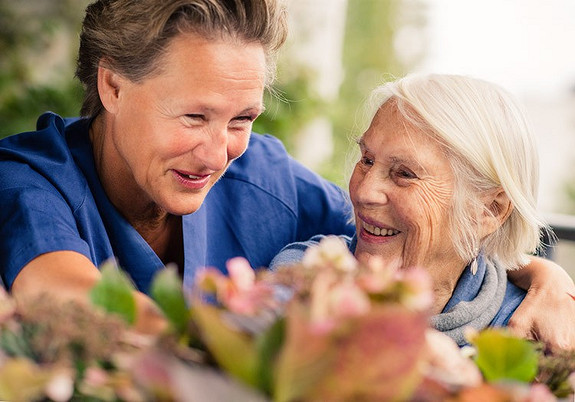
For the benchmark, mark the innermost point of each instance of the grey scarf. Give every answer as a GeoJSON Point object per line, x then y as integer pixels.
{"type": "Point", "coordinates": [464, 310]}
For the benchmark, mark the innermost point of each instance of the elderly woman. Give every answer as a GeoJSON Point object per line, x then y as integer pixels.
{"type": "Point", "coordinates": [171, 90]}
{"type": "Point", "coordinates": [447, 180]}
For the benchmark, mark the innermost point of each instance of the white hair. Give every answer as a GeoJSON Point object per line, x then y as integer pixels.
{"type": "Point", "coordinates": [490, 145]}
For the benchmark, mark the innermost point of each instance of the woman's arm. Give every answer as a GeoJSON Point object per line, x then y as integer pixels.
{"type": "Point", "coordinates": [546, 314]}
{"type": "Point", "coordinates": [67, 275]}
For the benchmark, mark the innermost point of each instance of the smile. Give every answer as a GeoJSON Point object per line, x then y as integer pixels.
{"type": "Point", "coordinates": [191, 181]}
{"type": "Point", "coordinates": [190, 176]}
{"type": "Point", "coordinates": [374, 230]}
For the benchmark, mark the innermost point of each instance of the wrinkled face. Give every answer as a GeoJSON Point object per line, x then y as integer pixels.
{"type": "Point", "coordinates": [401, 190]}
{"type": "Point", "coordinates": [175, 133]}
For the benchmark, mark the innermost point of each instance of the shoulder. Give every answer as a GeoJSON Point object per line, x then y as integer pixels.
{"type": "Point", "coordinates": [42, 159]}
{"type": "Point", "coordinates": [294, 252]}
{"type": "Point", "coordinates": [513, 298]}
{"type": "Point", "coordinates": [266, 167]}
{"type": "Point", "coordinates": [267, 164]}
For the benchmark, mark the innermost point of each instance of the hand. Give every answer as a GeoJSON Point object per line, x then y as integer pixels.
{"type": "Point", "coordinates": [67, 275]}
{"type": "Point", "coordinates": [546, 314]}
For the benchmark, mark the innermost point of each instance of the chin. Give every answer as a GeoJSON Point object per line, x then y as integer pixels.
{"type": "Point", "coordinates": [184, 207]}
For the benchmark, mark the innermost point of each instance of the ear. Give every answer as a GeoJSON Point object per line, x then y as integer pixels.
{"type": "Point", "coordinates": [109, 85]}
{"type": "Point", "coordinates": [497, 209]}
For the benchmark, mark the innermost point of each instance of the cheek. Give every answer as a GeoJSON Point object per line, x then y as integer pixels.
{"type": "Point", "coordinates": [237, 145]}
{"type": "Point", "coordinates": [427, 211]}
{"type": "Point", "coordinates": [354, 181]}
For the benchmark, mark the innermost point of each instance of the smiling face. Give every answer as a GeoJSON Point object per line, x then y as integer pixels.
{"type": "Point", "coordinates": [401, 190]}
{"type": "Point", "coordinates": [168, 139]}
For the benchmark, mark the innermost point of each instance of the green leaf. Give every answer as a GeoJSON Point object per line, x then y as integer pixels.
{"type": "Point", "coordinates": [114, 293]}
{"type": "Point", "coordinates": [502, 356]}
{"type": "Point", "coordinates": [268, 346]}
{"type": "Point", "coordinates": [168, 293]}
{"type": "Point", "coordinates": [234, 351]}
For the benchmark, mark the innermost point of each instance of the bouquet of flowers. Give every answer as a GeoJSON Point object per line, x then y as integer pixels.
{"type": "Point", "coordinates": [327, 328]}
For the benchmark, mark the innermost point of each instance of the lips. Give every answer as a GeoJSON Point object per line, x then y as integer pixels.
{"type": "Point", "coordinates": [190, 180]}
{"type": "Point", "coordinates": [189, 176]}
{"type": "Point", "coordinates": [377, 229]}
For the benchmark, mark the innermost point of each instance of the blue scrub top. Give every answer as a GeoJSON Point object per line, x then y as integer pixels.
{"type": "Point", "coordinates": [52, 200]}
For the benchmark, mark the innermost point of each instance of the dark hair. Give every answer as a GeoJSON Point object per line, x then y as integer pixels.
{"type": "Point", "coordinates": [131, 35]}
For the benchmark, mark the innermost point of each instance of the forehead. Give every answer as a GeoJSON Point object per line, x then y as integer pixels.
{"type": "Point", "coordinates": [198, 56]}
{"type": "Point", "coordinates": [392, 135]}
{"type": "Point", "coordinates": [220, 74]}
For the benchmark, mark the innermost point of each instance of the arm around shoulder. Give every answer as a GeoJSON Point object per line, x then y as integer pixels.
{"type": "Point", "coordinates": [547, 311]}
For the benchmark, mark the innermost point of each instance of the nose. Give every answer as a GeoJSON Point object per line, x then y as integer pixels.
{"type": "Point", "coordinates": [369, 188]}
{"type": "Point", "coordinates": [213, 150]}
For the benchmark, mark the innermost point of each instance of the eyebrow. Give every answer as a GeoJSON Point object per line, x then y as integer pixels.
{"type": "Point", "coordinates": [248, 110]}
{"type": "Point", "coordinates": [393, 159]}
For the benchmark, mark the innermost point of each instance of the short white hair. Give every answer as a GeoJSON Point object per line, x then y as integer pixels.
{"type": "Point", "coordinates": [490, 145]}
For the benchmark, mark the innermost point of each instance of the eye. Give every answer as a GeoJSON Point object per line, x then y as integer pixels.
{"type": "Point", "coordinates": [366, 161]}
{"type": "Point", "coordinates": [194, 119]}
{"type": "Point", "coordinates": [406, 173]}
{"type": "Point", "coordinates": [194, 116]}
{"type": "Point", "coordinates": [248, 118]}
{"type": "Point", "coordinates": [243, 121]}
{"type": "Point", "coordinates": [403, 174]}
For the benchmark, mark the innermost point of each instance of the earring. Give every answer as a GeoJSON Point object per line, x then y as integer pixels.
{"type": "Point", "coordinates": [474, 263]}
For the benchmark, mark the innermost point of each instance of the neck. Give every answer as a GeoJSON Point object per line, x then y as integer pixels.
{"type": "Point", "coordinates": [162, 231]}
{"type": "Point", "coordinates": [444, 283]}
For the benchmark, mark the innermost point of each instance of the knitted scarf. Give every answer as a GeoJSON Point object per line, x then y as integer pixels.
{"type": "Point", "coordinates": [475, 301]}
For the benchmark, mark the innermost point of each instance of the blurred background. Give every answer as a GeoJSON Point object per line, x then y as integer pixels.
{"type": "Point", "coordinates": [338, 50]}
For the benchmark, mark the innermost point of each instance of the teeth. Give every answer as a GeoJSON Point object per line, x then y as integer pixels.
{"type": "Point", "coordinates": [190, 176]}
{"type": "Point", "coordinates": [379, 231]}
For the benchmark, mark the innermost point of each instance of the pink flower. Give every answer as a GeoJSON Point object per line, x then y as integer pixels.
{"type": "Point", "coordinates": [96, 377]}
{"type": "Point", "coordinates": [417, 293]}
{"type": "Point", "coordinates": [571, 380]}
{"type": "Point", "coordinates": [348, 300]}
{"type": "Point", "coordinates": [334, 299]}
{"type": "Point", "coordinates": [239, 292]}
{"type": "Point", "coordinates": [241, 273]}
{"type": "Point", "coordinates": [540, 393]}
{"type": "Point", "coordinates": [447, 364]}
{"type": "Point", "coordinates": [331, 253]}
{"type": "Point", "coordinates": [60, 387]}
{"type": "Point", "coordinates": [377, 278]}
{"type": "Point", "coordinates": [319, 303]}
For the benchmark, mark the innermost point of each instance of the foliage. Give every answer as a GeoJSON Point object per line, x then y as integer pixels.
{"type": "Point", "coordinates": [38, 46]}
{"type": "Point", "coordinates": [557, 371]}
{"type": "Point", "coordinates": [113, 293]}
{"type": "Point", "coordinates": [326, 329]}
{"type": "Point", "coordinates": [35, 77]}
{"type": "Point", "coordinates": [168, 293]}
{"type": "Point", "coordinates": [500, 356]}
{"type": "Point", "coordinates": [290, 104]}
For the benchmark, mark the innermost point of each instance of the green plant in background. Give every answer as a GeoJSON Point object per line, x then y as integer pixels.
{"type": "Point", "coordinates": [38, 43]}
{"type": "Point", "coordinates": [37, 48]}
{"type": "Point", "coordinates": [290, 104]}
{"type": "Point", "coordinates": [368, 57]}
{"type": "Point", "coordinates": [569, 190]}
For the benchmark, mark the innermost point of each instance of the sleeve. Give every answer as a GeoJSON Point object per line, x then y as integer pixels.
{"type": "Point", "coordinates": [34, 221]}
{"type": "Point", "coordinates": [323, 207]}
{"type": "Point", "coordinates": [293, 253]}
